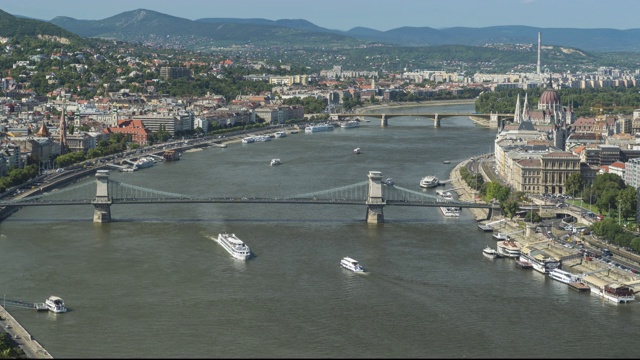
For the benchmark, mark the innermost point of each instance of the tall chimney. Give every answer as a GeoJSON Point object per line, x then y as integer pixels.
{"type": "Point", "coordinates": [538, 67]}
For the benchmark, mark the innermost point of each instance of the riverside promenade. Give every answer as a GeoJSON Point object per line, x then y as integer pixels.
{"type": "Point", "coordinates": [31, 347]}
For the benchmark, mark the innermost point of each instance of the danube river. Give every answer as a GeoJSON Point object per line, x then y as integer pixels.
{"type": "Point", "coordinates": [153, 283]}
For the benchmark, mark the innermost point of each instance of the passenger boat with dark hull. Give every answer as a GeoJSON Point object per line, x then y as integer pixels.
{"type": "Point", "coordinates": [579, 286]}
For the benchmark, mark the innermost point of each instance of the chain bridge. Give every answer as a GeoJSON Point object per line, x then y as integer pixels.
{"type": "Point", "coordinates": [371, 193]}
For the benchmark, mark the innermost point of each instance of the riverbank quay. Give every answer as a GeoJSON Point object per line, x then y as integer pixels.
{"type": "Point", "coordinates": [572, 259]}
{"type": "Point", "coordinates": [31, 347]}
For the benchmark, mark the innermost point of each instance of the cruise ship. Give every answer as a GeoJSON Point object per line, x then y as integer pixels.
{"type": "Point", "coordinates": [540, 260]}
{"type": "Point", "coordinates": [429, 181]}
{"type": "Point", "coordinates": [318, 128]}
{"type": "Point", "coordinates": [234, 246]}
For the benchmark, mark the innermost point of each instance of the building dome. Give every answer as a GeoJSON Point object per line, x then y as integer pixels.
{"type": "Point", "coordinates": [549, 97]}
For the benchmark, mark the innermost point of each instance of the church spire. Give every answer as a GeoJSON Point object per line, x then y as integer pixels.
{"type": "Point", "coordinates": [525, 108]}
{"type": "Point", "coordinates": [516, 114]}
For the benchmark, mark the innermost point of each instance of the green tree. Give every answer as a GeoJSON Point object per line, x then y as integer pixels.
{"type": "Point", "coordinates": [574, 184]}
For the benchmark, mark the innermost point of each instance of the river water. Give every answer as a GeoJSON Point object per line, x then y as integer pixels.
{"type": "Point", "coordinates": [154, 284]}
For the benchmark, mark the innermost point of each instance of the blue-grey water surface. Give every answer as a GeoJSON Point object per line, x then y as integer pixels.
{"type": "Point", "coordinates": [153, 283]}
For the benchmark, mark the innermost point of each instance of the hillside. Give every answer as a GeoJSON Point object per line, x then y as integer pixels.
{"type": "Point", "coordinates": [12, 26]}
{"type": "Point", "coordinates": [154, 28]}
{"type": "Point", "coordinates": [148, 26]}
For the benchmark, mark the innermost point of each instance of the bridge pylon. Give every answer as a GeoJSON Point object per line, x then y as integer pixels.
{"type": "Point", "coordinates": [436, 121]}
{"type": "Point", "coordinates": [375, 201]}
{"type": "Point", "coordinates": [102, 202]}
{"type": "Point", "coordinates": [383, 120]}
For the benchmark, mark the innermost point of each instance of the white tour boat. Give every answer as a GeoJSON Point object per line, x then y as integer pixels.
{"type": "Point", "coordinates": [350, 124]}
{"type": "Point", "coordinates": [446, 194]}
{"type": "Point", "coordinates": [490, 252]}
{"type": "Point", "coordinates": [234, 246]}
{"type": "Point", "coordinates": [389, 182]}
{"type": "Point", "coordinates": [275, 162]}
{"type": "Point", "coordinates": [55, 304]}
{"type": "Point", "coordinates": [318, 128]}
{"type": "Point", "coordinates": [263, 138]}
{"type": "Point", "coordinates": [248, 140]}
{"type": "Point", "coordinates": [540, 260]}
{"type": "Point", "coordinates": [143, 163]}
{"type": "Point", "coordinates": [351, 264]}
{"type": "Point", "coordinates": [564, 277]}
{"type": "Point", "coordinates": [500, 236]}
{"type": "Point", "coordinates": [280, 134]}
{"type": "Point", "coordinates": [429, 181]}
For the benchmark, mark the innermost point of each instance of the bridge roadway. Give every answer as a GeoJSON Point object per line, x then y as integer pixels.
{"type": "Point", "coordinates": [244, 200]}
{"type": "Point", "coordinates": [494, 119]}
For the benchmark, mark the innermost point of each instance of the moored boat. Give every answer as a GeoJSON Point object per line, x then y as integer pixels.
{"type": "Point", "coordinates": [234, 246]}
{"type": "Point", "coordinates": [508, 248]}
{"type": "Point", "coordinates": [55, 304]}
{"type": "Point", "coordinates": [429, 181]}
{"type": "Point", "coordinates": [523, 264]}
{"type": "Point", "coordinates": [614, 292]}
{"type": "Point", "coordinates": [450, 211]}
{"type": "Point", "coordinates": [490, 252]}
{"type": "Point", "coordinates": [318, 128]}
{"type": "Point", "coordinates": [351, 264]}
{"type": "Point", "coordinates": [446, 194]}
{"type": "Point", "coordinates": [143, 163]}
{"type": "Point", "coordinates": [500, 236]}
{"type": "Point", "coordinates": [280, 134]}
{"type": "Point", "coordinates": [350, 124]}
{"type": "Point", "coordinates": [579, 286]}
{"type": "Point", "coordinates": [388, 182]}
{"type": "Point", "coordinates": [564, 277]}
{"type": "Point", "coordinates": [248, 140]}
{"type": "Point", "coordinates": [540, 259]}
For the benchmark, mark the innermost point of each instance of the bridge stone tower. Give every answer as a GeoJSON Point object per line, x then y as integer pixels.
{"type": "Point", "coordinates": [494, 121]}
{"type": "Point", "coordinates": [383, 120]}
{"type": "Point", "coordinates": [102, 202]}
{"type": "Point", "coordinates": [375, 201]}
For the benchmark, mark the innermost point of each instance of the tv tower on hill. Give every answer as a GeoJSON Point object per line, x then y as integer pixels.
{"type": "Point", "coordinates": [538, 67]}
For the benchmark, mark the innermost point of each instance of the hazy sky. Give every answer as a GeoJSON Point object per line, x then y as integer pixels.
{"type": "Point", "coordinates": [347, 14]}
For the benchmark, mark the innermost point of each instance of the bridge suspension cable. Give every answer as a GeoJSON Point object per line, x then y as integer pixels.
{"type": "Point", "coordinates": [357, 191]}
{"type": "Point", "coordinates": [119, 190]}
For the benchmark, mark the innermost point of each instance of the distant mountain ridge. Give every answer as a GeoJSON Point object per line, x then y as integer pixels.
{"type": "Point", "coordinates": [150, 26]}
